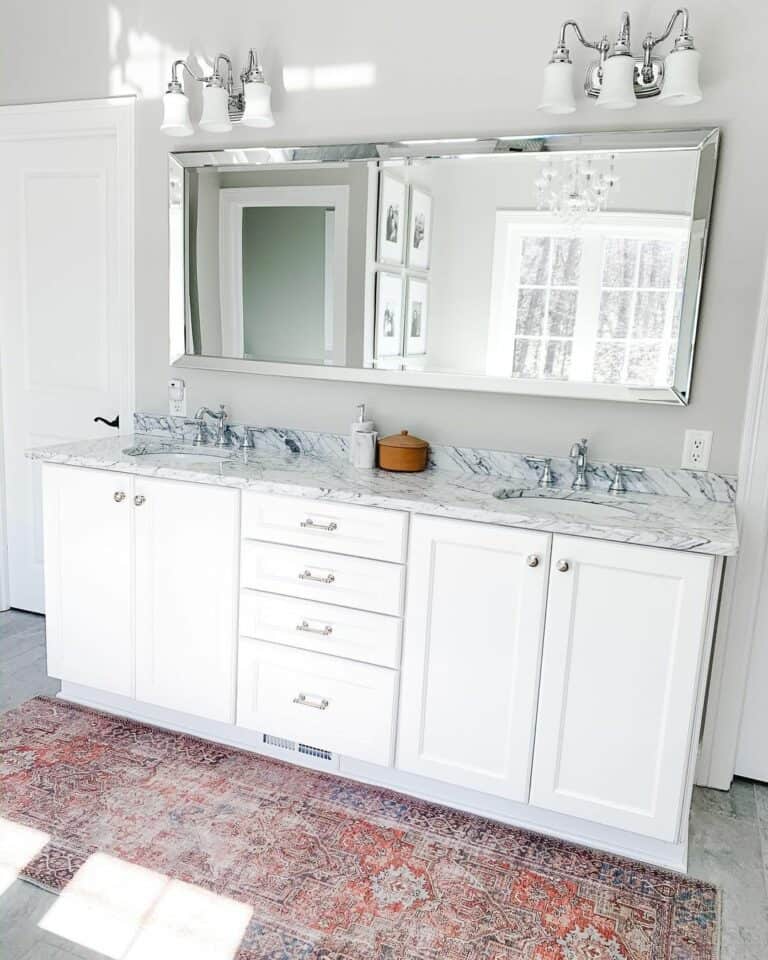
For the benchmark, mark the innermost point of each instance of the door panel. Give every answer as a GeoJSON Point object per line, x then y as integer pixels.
{"type": "Point", "coordinates": [471, 652]}
{"type": "Point", "coordinates": [88, 561]}
{"type": "Point", "coordinates": [622, 648]}
{"type": "Point", "coordinates": [187, 541]}
{"type": "Point", "coordinates": [66, 322]}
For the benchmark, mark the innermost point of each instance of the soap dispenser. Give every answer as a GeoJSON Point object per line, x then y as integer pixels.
{"type": "Point", "coordinates": [362, 441]}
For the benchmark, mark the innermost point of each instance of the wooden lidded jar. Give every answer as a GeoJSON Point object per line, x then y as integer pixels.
{"type": "Point", "coordinates": [402, 452]}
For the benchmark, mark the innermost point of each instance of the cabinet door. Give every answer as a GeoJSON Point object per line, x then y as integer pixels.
{"type": "Point", "coordinates": [89, 623]}
{"type": "Point", "coordinates": [471, 650]}
{"type": "Point", "coordinates": [620, 671]}
{"type": "Point", "coordinates": [186, 596]}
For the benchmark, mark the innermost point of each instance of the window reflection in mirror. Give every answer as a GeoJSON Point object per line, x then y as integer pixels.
{"type": "Point", "coordinates": [573, 268]}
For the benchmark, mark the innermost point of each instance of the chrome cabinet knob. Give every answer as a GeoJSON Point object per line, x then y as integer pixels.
{"type": "Point", "coordinates": [563, 566]}
{"type": "Point", "coordinates": [532, 560]}
{"type": "Point", "coordinates": [139, 499]}
{"type": "Point", "coordinates": [118, 496]}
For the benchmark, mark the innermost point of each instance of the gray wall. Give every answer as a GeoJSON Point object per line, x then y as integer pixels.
{"type": "Point", "coordinates": [436, 71]}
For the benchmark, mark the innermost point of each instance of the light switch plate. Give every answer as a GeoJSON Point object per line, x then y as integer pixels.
{"type": "Point", "coordinates": [696, 449]}
{"type": "Point", "coordinates": [177, 398]}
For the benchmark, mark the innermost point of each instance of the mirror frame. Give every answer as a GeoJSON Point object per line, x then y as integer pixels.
{"type": "Point", "coordinates": [705, 141]}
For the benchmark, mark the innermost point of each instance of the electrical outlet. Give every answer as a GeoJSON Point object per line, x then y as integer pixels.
{"type": "Point", "coordinates": [177, 398]}
{"type": "Point", "coordinates": [696, 449]}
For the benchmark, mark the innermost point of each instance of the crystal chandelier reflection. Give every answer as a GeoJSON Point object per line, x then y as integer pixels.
{"type": "Point", "coordinates": [575, 188]}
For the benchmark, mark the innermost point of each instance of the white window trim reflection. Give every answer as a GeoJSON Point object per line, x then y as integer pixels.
{"type": "Point", "coordinates": [512, 227]}
{"type": "Point", "coordinates": [232, 203]}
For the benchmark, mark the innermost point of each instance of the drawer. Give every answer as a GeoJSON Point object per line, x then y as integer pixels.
{"type": "Point", "coordinates": [360, 531]}
{"type": "Point", "coordinates": [356, 634]}
{"type": "Point", "coordinates": [327, 577]}
{"type": "Point", "coordinates": [322, 701]}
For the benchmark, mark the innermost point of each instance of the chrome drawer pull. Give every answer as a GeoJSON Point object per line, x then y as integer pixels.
{"type": "Point", "coordinates": [319, 703]}
{"type": "Point", "coordinates": [330, 527]}
{"type": "Point", "coordinates": [304, 627]}
{"type": "Point", "coordinates": [308, 575]}
{"type": "Point", "coordinates": [118, 496]}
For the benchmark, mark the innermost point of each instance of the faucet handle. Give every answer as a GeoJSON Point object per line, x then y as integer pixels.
{"type": "Point", "coordinates": [546, 479]}
{"type": "Point", "coordinates": [617, 484]}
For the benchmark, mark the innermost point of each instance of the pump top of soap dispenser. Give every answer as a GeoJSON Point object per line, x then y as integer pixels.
{"type": "Point", "coordinates": [361, 424]}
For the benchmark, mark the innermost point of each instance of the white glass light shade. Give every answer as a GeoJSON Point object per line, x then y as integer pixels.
{"type": "Point", "coordinates": [681, 78]}
{"type": "Point", "coordinates": [557, 94]}
{"type": "Point", "coordinates": [215, 115]}
{"type": "Point", "coordinates": [258, 106]}
{"type": "Point", "coordinates": [176, 115]}
{"type": "Point", "coordinates": [617, 91]}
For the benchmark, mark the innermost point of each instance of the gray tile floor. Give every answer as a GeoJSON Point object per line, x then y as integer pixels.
{"type": "Point", "coordinates": [728, 840]}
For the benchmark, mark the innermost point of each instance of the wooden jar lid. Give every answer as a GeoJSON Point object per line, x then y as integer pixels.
{"type": "Point", "coordinates": [404, 439]}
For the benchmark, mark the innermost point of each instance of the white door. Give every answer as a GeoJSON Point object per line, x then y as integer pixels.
{"type": "Point", "coordinates": [88, 560]}
{"type": "Point", "coordinates": [187, 543]}
{"type": "Point", "coordinates": [66, 298]}
{"type": "Point", "coordinates": [471, 651]}
{"type": "Point", "coordinates": [620, 671]}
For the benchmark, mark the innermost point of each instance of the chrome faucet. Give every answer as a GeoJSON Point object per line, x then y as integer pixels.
{"type": "Point", "coordinates": [222, 438]}
{"type": "Point", "coordinates": [579, 453]}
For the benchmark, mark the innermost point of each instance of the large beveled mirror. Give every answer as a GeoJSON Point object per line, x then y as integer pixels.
{"type": "Point", "coordinates": [566, 265]}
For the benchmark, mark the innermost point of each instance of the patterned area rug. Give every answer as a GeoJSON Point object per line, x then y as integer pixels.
{"type": "Point", "coordinates": [332, 869]}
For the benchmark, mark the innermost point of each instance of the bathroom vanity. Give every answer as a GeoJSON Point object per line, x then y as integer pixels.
{"type": "Point", "coordinates": [539, 657]}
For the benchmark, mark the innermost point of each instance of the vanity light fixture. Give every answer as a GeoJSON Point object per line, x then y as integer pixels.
{"type": "Point", "coordinates": [617, 78]}
{"type": "Point", "coordinates": [222, 105]}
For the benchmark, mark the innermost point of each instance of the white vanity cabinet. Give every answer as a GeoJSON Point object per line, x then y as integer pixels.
{"type": "Point", "coordinates": [551, 681]}
{"type": "Point", "coordinates": [141, 577]}
{"type": "Point", "coordinates": [625, 636]}
{"type": "Point", "coordinates": [471, 653]}
{"type": "Point", "coordinates": [88, 577]}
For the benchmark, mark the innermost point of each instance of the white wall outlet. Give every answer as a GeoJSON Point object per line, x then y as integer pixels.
{"type": "Point", "coordinates": [696, 448]}
{"type": "Point", "coordinates": [177, 398]}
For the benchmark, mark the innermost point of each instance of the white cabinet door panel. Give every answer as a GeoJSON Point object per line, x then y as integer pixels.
{"type": "Point", "coordinates": [623, 643]}
{"type": "Point", "coordinates": [187, 539]}
{"type": "Point", "coordinates": [88, 559]}
{"type": "Point", "coordinates": [325, 702]}
{"type": "Point", "coordinates": [471, 652]}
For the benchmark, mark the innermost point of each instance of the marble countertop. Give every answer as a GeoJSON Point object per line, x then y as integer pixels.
{"type": "Point", "coordinates": [677, 523]}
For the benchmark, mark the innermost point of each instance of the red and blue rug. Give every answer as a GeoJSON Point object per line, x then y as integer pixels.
{"type": "Point", "coordinates": [332, 869]}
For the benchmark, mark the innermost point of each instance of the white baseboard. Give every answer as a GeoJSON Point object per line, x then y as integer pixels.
{"type": "Point", "coordinates": [672, 856]}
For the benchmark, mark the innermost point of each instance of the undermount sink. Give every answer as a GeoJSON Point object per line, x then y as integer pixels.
{"type": "Point", "coordinates": [537, 502]}
{"type": "Point", "coordinates": [178, 456]}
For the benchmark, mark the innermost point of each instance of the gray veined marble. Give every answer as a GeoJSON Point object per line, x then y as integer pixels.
{"type": "Point", "coordinates": [485, 486]}
{"type": "Point", "coordinates": [665, 481]}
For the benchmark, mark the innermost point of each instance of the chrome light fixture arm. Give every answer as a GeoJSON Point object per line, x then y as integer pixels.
{"type": "Point", "coordinates": [175, 85]}
{"type": "Point", "coordinates": [683, 41]}
{"type": "Point", "coordinates": [561, 53]}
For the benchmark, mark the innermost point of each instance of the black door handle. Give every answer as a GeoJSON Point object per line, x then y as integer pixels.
{"type": "Point", "coordinates": [110, 423]}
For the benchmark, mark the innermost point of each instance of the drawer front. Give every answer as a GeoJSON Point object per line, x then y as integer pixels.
{"type": "Point", "coordinates": [360, 531]}
{"type": "Point", "coordinates": [309, 625]}
{"type": "Point", "coordinates": [327, 577]}
{"type": "Point", "coordinates": [325, 702]}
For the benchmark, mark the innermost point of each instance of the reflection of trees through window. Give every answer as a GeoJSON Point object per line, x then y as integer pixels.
{"type": "Point", "coordinates": [602, 306]}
